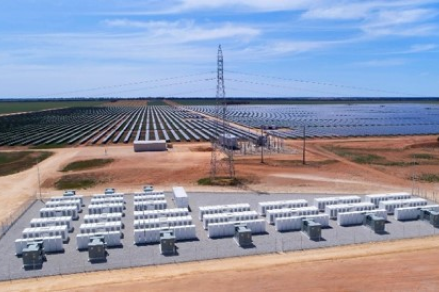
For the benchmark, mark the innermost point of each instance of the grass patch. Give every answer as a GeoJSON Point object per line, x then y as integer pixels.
{"type": "Point", "coordinates": [424, 156]}
{"type": "Point", "coordinates": [86, 164]}
{"type": "Point", "coordinates": [359, 158]}
{"type": "Point", "coordinates": [48, 146]}
{"type": "Point", "coordinates": [14, 162]}
{"type": "Point", "coordinates": [429, 177]}
{"type": "Point", "coordinates": [74, 181]}
{"type": "Point", "coordinates": [222, 181]}
{"type": "Point", "coordinates": [7, 107]}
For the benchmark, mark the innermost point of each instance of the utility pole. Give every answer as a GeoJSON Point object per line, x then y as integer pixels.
{"type": "Point", "coordinates": [39, 178]}
{"type": "Point", "coordinates": [304, 145]}
{"type": "Point", "coordinates": [262, 144]}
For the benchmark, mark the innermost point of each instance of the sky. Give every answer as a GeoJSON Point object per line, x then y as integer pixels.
{"type": "Point", "coordinates": [296, 48]}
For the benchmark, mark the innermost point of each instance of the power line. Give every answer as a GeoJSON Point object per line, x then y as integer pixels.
{"type": "Point", "coordinates": [123, 84]}
{"type": "Point", "coordinates": [282, 86]}
{"type": "Point", "coordinates": [327, 84]}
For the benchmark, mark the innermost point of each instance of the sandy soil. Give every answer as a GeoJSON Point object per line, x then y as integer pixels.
{"type": "Point", "coordinates": [409, 265]}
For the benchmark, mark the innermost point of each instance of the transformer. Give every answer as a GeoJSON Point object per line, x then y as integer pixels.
{"type": "Point", "coordinates": [97, 249]}
{"type": "Point", "coordinates": [312, 229]}
{"type": "Point", "coordinates": [374, 222]}
{"type": "Point", "coordinates": [167, 242]}
{"type": "Point", "coordinates": [429, 215]}
{"type": "Point", "coordinates": [243, 235]}
{"type": "Point", "coordinates": [33, 255]}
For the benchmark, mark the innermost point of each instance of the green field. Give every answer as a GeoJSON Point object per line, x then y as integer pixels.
{"type": "Point", "coordinates": [86, 164]}
{"type": "Point", "coordinates": [13, 162]}
{"type": "Point", "coordinates": [7, 107]}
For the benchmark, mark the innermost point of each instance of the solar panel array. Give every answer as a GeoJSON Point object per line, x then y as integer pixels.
{"type": "Point", "coordinates": [336, 120]}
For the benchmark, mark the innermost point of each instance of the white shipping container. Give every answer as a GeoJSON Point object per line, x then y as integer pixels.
{"type": "Point", "coordinates": [138, 215]}
{"type": "Point", "coordinates": [222, 209]}
{"type": "Point", "coordinates": [357, 217]}
{"type": "Point", "coordinates": [263, 207]}
{"type": "Point", "coordinates": [181, 199]}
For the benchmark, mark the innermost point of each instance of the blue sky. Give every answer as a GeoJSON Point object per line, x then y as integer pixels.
{"type": "Point", "coordinates": [51, 48]}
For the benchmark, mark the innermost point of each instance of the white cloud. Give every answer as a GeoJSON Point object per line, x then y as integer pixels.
{"type": "Point", "coordinates": [187, 30]}
{"type": "Point", "coordinates": [381, 63]}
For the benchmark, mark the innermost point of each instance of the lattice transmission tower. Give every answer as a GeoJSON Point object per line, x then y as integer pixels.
{"type": "Point", "coordinates": [221, 164]}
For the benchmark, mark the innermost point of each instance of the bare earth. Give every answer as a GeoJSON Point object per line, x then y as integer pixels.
{"type": "Point", "coordinates": [409, 265]}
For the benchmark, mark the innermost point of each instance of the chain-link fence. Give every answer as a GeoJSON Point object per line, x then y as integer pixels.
{"type": "Point", "coordinates": [7, 223]}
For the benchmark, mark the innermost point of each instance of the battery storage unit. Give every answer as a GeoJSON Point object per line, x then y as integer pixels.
{"type": "Point", "coordinates": [65, 203]}
{"type": "Point", "coordinates": [321, 203]}
{"type": "Point", "coordinates": [104, 217]}
{"type": "Point", "coordinates": [222, 209]}
{"type": "Point", "coordinates": [52, 221]}
{"type": "Point", "coordinates": [228, 217]}
{"type": "Point", "coordinates": [105, 208]}
{"type": "Point", "coordinates": [151, 214]}
{"type": "Point", "coordinates": [391, 205]}
{"type": "Point", "coordinates": [112, 239]}
{"type": "Point", "coordinates": [41, 232]}
{"type": "Point", "coordinates": [378, 198]}
{"type": "Point", "coordinates": [59, 212]}
{"type": "Point", "coordinates": [280, 213]}
{"type": "Point", "coordinates": [263, 207]}
{"type": "Point", "coordinates": [150, 205]}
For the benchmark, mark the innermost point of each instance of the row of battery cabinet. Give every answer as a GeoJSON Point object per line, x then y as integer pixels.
{"type": "Point", "coordinates": [228, 217]}
{"type": "Point", "coordinates": [143, 236]}
{"type": "Point", "coordinates": [152, 214]}
{"type": "Point", "coordinates": [162, 222]}
{"type": "Point", "coordinates": [112, 239]}
{"type": "Point", "coordinates": [413, 213]}
{"type": "Point", "coordinates": [321, 203]}
{"type": "Point", "coordinates": [226, 229]}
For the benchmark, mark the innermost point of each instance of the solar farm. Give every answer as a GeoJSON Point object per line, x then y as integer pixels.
{"type": "Point", "coordinates": [71, 233]}
{"type": "Point", "coordinates": [125, 124]}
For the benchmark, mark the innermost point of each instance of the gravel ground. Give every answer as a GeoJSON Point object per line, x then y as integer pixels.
{"type": "Point", "coordinates": [130, 255]}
